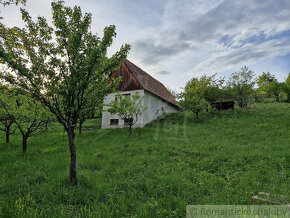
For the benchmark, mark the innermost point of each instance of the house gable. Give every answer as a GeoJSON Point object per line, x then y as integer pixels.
{"type": "Point", "coordinates": [129, 81]}
{"type": "Point", "coordinates": [134, 78]}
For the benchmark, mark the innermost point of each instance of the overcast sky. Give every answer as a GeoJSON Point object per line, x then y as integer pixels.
{"type": "Point", "coordinates": [175, 40]}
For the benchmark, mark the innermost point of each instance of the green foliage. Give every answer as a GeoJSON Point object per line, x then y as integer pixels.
{"type": "Point", "coordinates": [207, 87]}
{"type": "Point", "coordinates": [225, 160]}
{"type": "Point", "coordinates": [198, 93]}
{"type": "Point", "coordinates": [241, 85]}
{"type": "Point", "coordinates": [275, 88]}
{"type": "Point", "coordinates": [193, 103]}
{"type": "Point", "coordinates": [29, 115]}
{"type": "Point", "coordinates": [7, 119]}
{"type": "Point", "coordinates": [9, 2]}
{"type": "Point", "coordinates": [286, 88]}
{"type": "Point", "coordinates": [59, 65]}
{"type": "Point", "coordinates": [95, 97]}
{"type": "Point", "coordinates": [264, 80]}
{"type": "Point", "coordinates": [129, 108]}
{"type": "Point", "coordinates": [268, 84]}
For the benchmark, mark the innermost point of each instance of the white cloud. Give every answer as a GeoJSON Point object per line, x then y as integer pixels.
{"type": "Point", "coordinates": [245, 55]}
{"type": "Point", "coordinates": [193, 36]}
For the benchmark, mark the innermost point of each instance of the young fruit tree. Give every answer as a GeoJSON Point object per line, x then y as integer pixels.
{"type": "Point", "coordinates": [193, 96]}
{"type": "Point", "coordinates": [193, 102]}
{"type": "Point", "coordinates": [7, 119]}
{"type": "Point", "coordinates": [207, 87]}
{"type": "Point", "coordinates": [275, 88]}
{"type": "Point", "coordinates": [30, 116]}
{"type": "Point", "coordinates": [241, 85]}
{"type": "Point", "coordinates": [128, 108]}
{"type": "Point", "coordinates": [57, 65]}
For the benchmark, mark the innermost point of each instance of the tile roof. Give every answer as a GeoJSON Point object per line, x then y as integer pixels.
{"type": "Point", "coordinates": [150, 84]}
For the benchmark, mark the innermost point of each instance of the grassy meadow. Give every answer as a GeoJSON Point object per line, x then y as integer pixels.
{"type": "Point", "coordinates": [225, 158]}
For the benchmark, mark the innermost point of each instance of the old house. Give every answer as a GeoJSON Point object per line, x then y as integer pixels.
{"type": "Point", "coordinates": [157, 99]}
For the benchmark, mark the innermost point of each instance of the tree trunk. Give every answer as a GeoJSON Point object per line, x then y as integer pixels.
{"type": "Point", "coordinates": [80, 128]}
{"type": "Point", "coordinates": [130, 130]}
{"type": "Point", "coordinates": [73, 156]}
{"type": "Point", "coordinates": [81, 125]}
{"type": "Point", "coordinates": [24, 143]}
{"type": "Point", "coordinates": [196, 115]}
{"type": "Point", "coordinates": [7, 134]}
{"type": "Point", "coordinates": [277, 98]}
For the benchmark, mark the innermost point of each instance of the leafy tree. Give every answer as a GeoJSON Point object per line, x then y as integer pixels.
{"type": "Point", "coordinates": [208, 88]}
{"type": "Point", "coordinates": [30, 117]}
{"type": "Point", "coordinates": [193, 103]}
{"type": "Point", "coordinates": [129, 109]}
{"type": "Point", "coordinates": [57, 65]}
{"type": "Point", "coordinates": [241, 84]}
{"type": "Point", "coordinates": [264, 81]}
{"type": "Point", "coordinates": [7, 120]}
{"type": "Point", "coordinates": [192, 98]}
{"type": "Point", "coordinates": [268, 84]}
{"type": "Point", "coordinates": [286, 87]}
{"type": "Point", "coordinates": [275, 88]}
{"type": "Point", "coordinates": [215, 92]}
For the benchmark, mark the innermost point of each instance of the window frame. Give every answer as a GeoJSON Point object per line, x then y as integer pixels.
{"type": "Point", "coordinates": [113, 123]}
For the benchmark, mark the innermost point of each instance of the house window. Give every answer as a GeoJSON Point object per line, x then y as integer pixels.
{"type": "Point", "coordinates": [128, 121]}
{"type": "Point", "coordinates": [127, 95]}
{"type": "Point", "coordinates": [114, 122]}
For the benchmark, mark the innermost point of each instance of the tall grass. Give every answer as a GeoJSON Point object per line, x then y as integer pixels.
{"type": "Point", "coordinates": [225, 158]}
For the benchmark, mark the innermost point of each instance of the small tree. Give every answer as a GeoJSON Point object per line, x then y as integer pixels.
{"type": "Point", "coordinates": [275, 88]}
{"type": "Point", "coordinates": [241, 84]}
{"type": "Point", "coordinates": [129, 109]}
{"type": "Point", "coordinates": [207, 87]}
{"type": "Point", "coordinates": [57, 65]}
{"type": "Point", "coordinates": [268, 84]}
{"type": "Point", "coordinates": [30, 117]}
{"type": "Point", "coordinates": [193, 102]}
{"type": "Point", "coordinates": [7, 119]}
{"type": "Point", "coordinates": [264, 80]}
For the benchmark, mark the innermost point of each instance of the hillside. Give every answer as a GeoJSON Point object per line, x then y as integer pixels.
{"type": "Point", "coordinates": [225, 158]}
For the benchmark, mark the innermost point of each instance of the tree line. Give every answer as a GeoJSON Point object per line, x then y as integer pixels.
{"type": "Point", "coordinates": [201, 93]}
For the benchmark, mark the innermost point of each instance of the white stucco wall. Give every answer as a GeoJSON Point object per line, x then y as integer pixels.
{"type": "Point", "coordinates": [106, 116]}
{"type": "Point", "coordinates": [154, 107]}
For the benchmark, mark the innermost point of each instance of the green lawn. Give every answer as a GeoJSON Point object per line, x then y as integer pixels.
{"type": "Point", "coordinates": [225, 158]}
